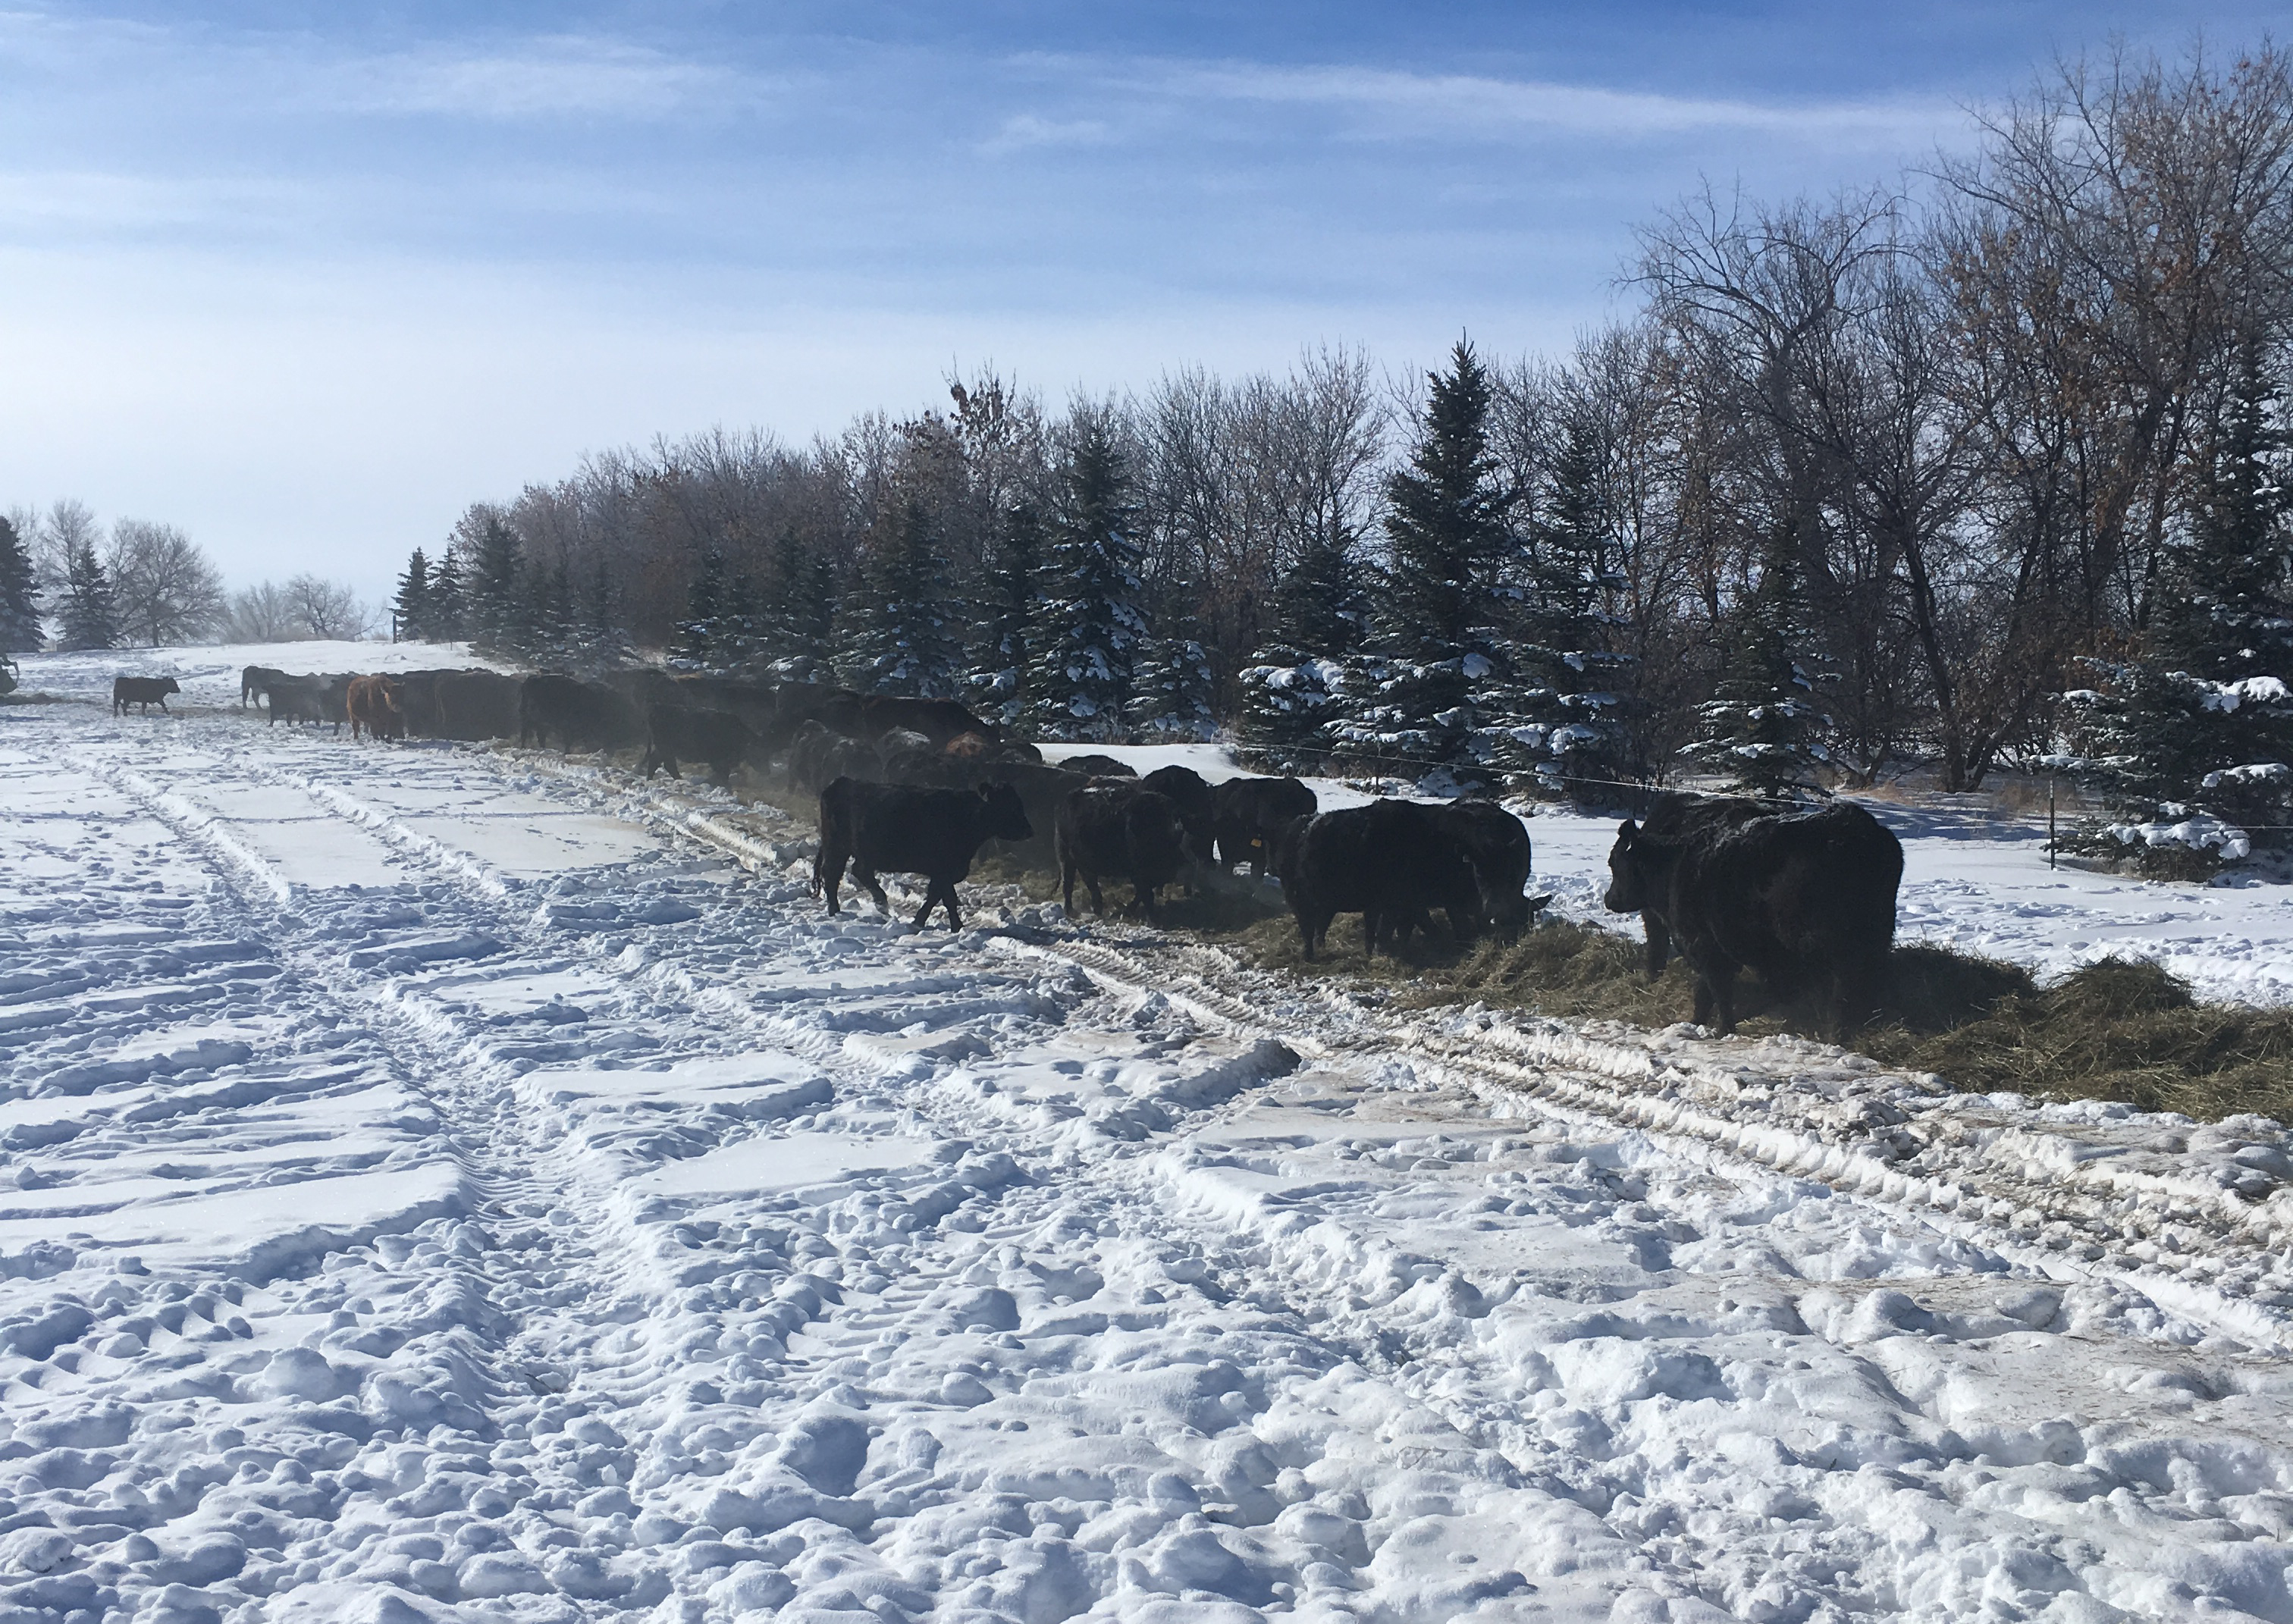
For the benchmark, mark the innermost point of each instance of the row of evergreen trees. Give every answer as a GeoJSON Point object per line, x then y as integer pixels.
{"type": "Point", "coordinates": [1481, 650]}
{"type": "Point", "coordinates": [1053, 639]}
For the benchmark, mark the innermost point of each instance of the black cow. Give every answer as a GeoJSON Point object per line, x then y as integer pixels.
{"type": "Point", "coordinates": [255, 682]}
{"type": "Point", "coordinates": [794, 703]}
{"type": "Point", "coordinates": [851, 758]}
{"type": "Point", "coordinates": [1197, 805]}
{"type": "Point", "coordinates": [418, 702]}
{"type": "Point", "coordinates": [675, 733]}
{"type": "Point", "coordinates": [478, 705]}
{"type": "Point", "coordinates": [143, 690]}
{"type": "Point", "coordinates": [295, 697]}
{"type": "Point", "coordinates": [806, 751]}
{"type": "Point", "coordinates": [573, 713]}
{"type": "Point", "coordinates": [1041, 788]}
{"type": "Point", "coordinates": [755, 703]}
{"type": "Point", "coordinates": [1246, 813]}
{"type": "Point", "coordinates": [1119, 830]}
{"type": "Point", "coordinates": [1677, 818]}
{"type": "Point", "coordinates": [940, 721]}
{"type": "Point", "coordinates": [1496, 844]}
{"type": "Point", "coordinates": [1390, 861]}
{"type": "Point", "coordinates": [1803, 899]}
{"type": "Point", "coordinates": [898, 828]}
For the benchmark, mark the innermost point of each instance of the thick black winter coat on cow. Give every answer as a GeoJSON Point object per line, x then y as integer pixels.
{"type": "Point", "coordinates": [1120, 831]}
{"type": "Point", "coordinates": [675, 734]}
{"type": "Point", "coordinates": [1496, 844]}
{"type": "Point", "coordinates": [143, 690]}
{"type": "Point", "coordinates": [255, 682]}
{"type": "Point", "coordinates": [1197, 804]}
{"type": "Point", "coordinates": [1390, 862]}
{"type": "Point", "coordinates": [1673, 820]}
{"type": "Point", "coordinates": [1807, 900]}
{"type": "Point", "coordinates": [567, 713]}
{"type": "Point", "coordinates": [1247, 814]}
{"type": "Point", "coordinates": [899, 828]}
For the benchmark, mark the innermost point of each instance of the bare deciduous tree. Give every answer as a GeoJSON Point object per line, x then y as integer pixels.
{"type": "Point", "coordinates": [329, 610]}
{"type": "Point", "coordinates": [167, 590]}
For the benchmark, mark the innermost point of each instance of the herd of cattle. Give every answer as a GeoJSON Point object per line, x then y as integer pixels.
{"type": "Point", "coordinates": [1805, 898]}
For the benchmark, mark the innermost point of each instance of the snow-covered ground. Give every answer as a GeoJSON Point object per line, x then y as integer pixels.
{"type": "Point", "coordinates": [447, 1185]}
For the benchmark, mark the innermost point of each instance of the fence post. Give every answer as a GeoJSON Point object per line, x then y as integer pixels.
{"type": "Point", "coordinates": [2050, 822]}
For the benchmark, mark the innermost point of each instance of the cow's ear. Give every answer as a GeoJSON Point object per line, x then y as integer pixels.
{"type": "Point", "coordinates": [1627, 830]}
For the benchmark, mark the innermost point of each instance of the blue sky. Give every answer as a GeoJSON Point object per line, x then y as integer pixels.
{"type": "Point", "coordinates": [308, 278]}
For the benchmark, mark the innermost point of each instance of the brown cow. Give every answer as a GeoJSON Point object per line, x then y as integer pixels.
{"type": "Point", "coordinates": [374, 704]}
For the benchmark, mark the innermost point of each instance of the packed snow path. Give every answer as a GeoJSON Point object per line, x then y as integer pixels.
{"type": "Point", "coordinates": [446, 1186]}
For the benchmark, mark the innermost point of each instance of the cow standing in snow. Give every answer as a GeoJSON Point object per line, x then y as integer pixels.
{"type": "Point", "coordinates": [901, 828]}
{"type": "Point", "coordinates": [143, 690]}
{"type": "Point", "coordinates": [1804, 899]}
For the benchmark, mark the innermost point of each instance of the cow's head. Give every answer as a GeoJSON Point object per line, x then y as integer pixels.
{"type": "Point", "coordinates": [1629, 881]}
{"type": "Point", "coordinates": [1504, 906]}
{"type": "Point", "coordinates": [1004, 817]}
{"type": "Point", "coordinates": [167, 684]}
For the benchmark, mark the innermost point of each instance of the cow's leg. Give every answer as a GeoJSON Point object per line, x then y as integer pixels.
{"type": "Point", "coordinates": [867, 877]}
{"type": "Point", "coordinates": [1066, 888]}
{"type": "Point", "coordinates": [162, 706]}
{"type": "Point", "coordinates": [1715, 999]}
{"type": "Point", "coordinates": [1659, 943]}
{"type": "Point", "coordinates": [1097, 902]}
{"type": "Point", "coordinates": [1142, 898]}
{"type": "Point", "coordinates": [941, 892]}
{"type": "Point", "coordinates": [828, 876]}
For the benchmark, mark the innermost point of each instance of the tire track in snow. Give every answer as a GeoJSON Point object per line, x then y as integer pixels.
{"type": "Point", "coordinates": [2010, 1203]}
{"type": "Point", "coordinates": [487, 1295]}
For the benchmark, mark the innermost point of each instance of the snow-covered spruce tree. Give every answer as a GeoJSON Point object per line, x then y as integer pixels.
{"type": "Point", "coordinates": [740, 646]}
{"type": "Point", "coordinates": [1008, 612]}
{"type": "Point", "coordinates": [599, 644]}
{"type": "Point", "coordinates": [1765, 726]}
{"type": "Point", "coordinates": [1173, 688]}
{"type": "Point", "coordinates": [798, 614]}
{"type": "Point", "coordinates": [1416, 696]}
{"type": "Point", "coordinates": [87, 609]}
{"type": "Point", "coordinates": [413, 601]}
{"type": "Point", "coordinates": [2192, 740]}
{"type": "Point", "coordinates": [494, 604]}
{"type": "Point", "coordinates": [1289, 690]}
{"type": "Point", "coordinates": [1561, 723]}
{"type": "Point", "coordinates": [20, 594]}
{"type": "Point", "coordinates": [554, 618]}
{"type": "Point", "coordinates": [701, 634]}
{"type": "Point", "coordinates": [901, 635]}
{"type": "Point", "coordinates": [1092, 625]}
{"type": "Point", "coordinates": [450, 619]}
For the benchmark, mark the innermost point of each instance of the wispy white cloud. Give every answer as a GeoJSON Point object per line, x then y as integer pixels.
{"type": "Point", "coordinates": [1022, 131]}
{"type": "Point", "coordinates": [559, 76]}
{"type": "Point", "coordinates": [1403, 103]}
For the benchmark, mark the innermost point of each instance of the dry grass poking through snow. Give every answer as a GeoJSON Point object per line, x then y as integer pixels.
{"type": "Point", "coordinates": [2118, 1030]}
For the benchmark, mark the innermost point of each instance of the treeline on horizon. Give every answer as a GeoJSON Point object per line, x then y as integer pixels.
{"type": "Point", "coordinates": [1861, 483]}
